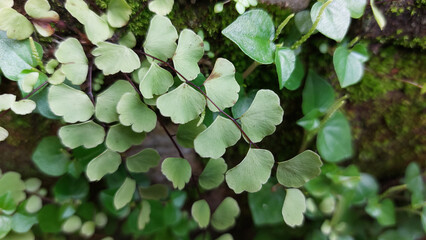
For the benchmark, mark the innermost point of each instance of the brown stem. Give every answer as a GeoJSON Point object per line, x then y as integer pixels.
{"type": "Point", "coordinates": [250, 69]}
{"type": "Point", "coordinates": [205, 95]}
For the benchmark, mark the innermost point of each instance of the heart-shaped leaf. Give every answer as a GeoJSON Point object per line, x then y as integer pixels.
{"type": "Point", "coordinates": [356, 7]}
{"type": "Point", "coordinates": [23, 107]}
{"type": "Point", "coordinates": [3, 134]}
{"type": "Point", "coordinates": [161, 38]}
{"type": "Point", "coordinates": [125, 193]}
{"type": "Point", "coordinates": [383, 212]}
{"type": "Point", "coordinates": [78, 9]}
{"type": "Point", "coordinates": [262, 116]}
{"type": "Point", "coordinates": [224, 216]}
{"type": "Point", "coordinates": [334, 140]}
{"type": "Point", "coordinates": [293, 208]}
{"type": "Point", "coordinates": [176, 170]}
{"type": "Point", "coordinates": [154, 192]}
{"type": "Point", "coordinates": [285, 61]}
{"type": "Point", "coordinates": [87, 134]}
{"type": "Point", "coordinates": [213, 174]}
{"type": "Point", "coordinates": [144, 214]}
{"type": "Point", "coordinates": [74, 62]}
{"type": "Point", "coordinates": [96, 28]}
{"type": "Point", "coordinates": [143, 161]}
{"type": "Point", "coordinates": [252, 172]}
{"type": "Point", "coordinates": [161, 7]}
{"type": "Point", "coordinates": [50, 157]}
{"type": "Point", "coordinates": [156, 81]}
{"type": "Point", "coordinates": [253, 32]}
{"type": "Point", "coordinates": [118, 13]}
{"type": "Point", "coordinates": [16, 56]}
{"type": "Point", "coordinates": [221, 86]}
{"type": "Point", "coordinates": [15, 24]}
{"type": "Point", "coordinates": [106, 102]}
{"type": "Point", "coordinates": [133, 112]}
{"type": "Point", "coordinates": [213, 141]}
{"type": "Point", "coordinates": [182, 104]}
{"type": "Point", "coordinates": [348, 65]}
{"type": "Point", "coordinates": [28, 81]}
{"type": "Point", "coordinates": [120, 138]}
{"type": "Point", "coordinates": [318, 94]}
{"type": "Point", "coordinates": [335, 19]}
{"type": "Point", "coordinates": [107, 162]}
{"type": "Point", "coordinates": [40, 9]}
{"type": "Point", "coordinates": [200, 211]}
{"type": "Point", "coordinates": [6, 101]}
{"type": "Point", "coordinates": [299, 170]}
{"type": "Point", "coordinates": [296, 77]}
{"type": "Point", "coordinates": [113, 58]}
{"type": "Point", "coordinates": [378, 15]}
{"type": "Point", "coordinates": [189, 51]}
{"type": "Point", "coordinates": [187, 133]}
{"type": "Point", "coordinates": [73, 105]}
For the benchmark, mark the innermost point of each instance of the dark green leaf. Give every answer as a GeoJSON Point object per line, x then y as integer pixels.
{"type": "Point", "coordinates": [265, 205]}
{"type": "Point", "coordinates": [296, 77]}
{"type": "Point", "coordinates": [285, 61]}
{"type": "Point", "coordinates": [49, 219]}
{"type": "Point", "coordinates": [70, 188]}
{"type": "Point", "coordinates": [317, 94]}
{"type": "Point", "coordinates": [383, 212]}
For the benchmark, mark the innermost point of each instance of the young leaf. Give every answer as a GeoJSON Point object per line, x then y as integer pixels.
{"type": "Point", "coordinates": [15, 24]}
{"type": "Point", "coordinates": [356, 7]}
{"type": "Point", "coordinates": [161, 38]}
{"type": "Point", "coordinates": [213, 141]}
{"type": "Point", "coordinates": [224, 216]}
{"type": "Point", "coordinates": [334, 141]}
{"type": "Point", "coordinates": [187, 133]}
{"type": "Point", "coordinates": [262, 116]}
{"type": "Point", "coordinates": [120, 138]}
{"type": "Point", "coordinates": [6, 101]}
{"type": "Point", "coordinates": [12, 183]}
{"type": "Point", "coordinates": [221, 86]}
{"type": "Point", "coordinates": [96, 28]}
{"type": "Point", "coordinates": [335, 19]}
{"type": "Point", "coordinates": [176, 170]}
{"type": "Point", "coordinates": [125, 193]}
{"type": "Point", "coordinates": [144, 214]}
{"type": "Point", "coordinates": [106, 102]}
{"type": "Point", "coordinates": [57, 77]}
{"type": "Point", "coordinates": [317, 94]}
{"type": "Point", "coordinates": [40, 10]}
{"type": "Point", "coordinates": [113, 58]}
{"type": "Point", "coordinates": [118, 13]}
{"type": "Point", "coordinates": [23, 107]}
{"type": "Point", "coordinates": [200, 211]}
{"type": "Point", "coordinates": [143, 161]}
{"type": "Point", "coordinates": [293, 208]}
{"type": "Point", "coordinates": [28, 81]}
{"type": "Point", "coordinates": [378, 15]}
{"type": "Point", "coordinates": [74, 62]}
{"type": "Point", "coordinates": [189, 51]}
{"type": "Point", "coordinates": [133, 112]}
{"type": "Point", "coordinates": [78, 9]}
{"type": "Point", "coordinates": [87, 229]}
{"type": "Point", "coordinates": [161, 7]}
{"type": "Point", "coordinates": [107, 162]}
{"type": "Point", "coordinates": [253, 32]}
{"type": "Point", "coordinates": [213, 174]}
{"type": "Point", "coordinates": [50, 157]}
{"type": "Point", "coordinates": [285, 61]}
{"type": "Point", "coordinates": [299, 170]}
{"type": "Point", "coordinates": [270, 198]}
{"type": "Point", "coordinates": [71, 225]}
{"type": "Point", "coordinates": [128, 40]}
{"type": "Point", "coordinates": [225, 236]}
{"type": "Point", "coordinates": [251, 173]}
{"type": "Point", "coordinates": [349, 67]}
{"type": "Point", "coordinates": [383, 212]}
{"type": "Point", "coordinates": [73, 105]}
{"type": "Point", "coordinates": [87, 134]}
{"type": "Point", "coordinates": [182, 104]}
{"type": "Point", "coordinates": [3, 134]}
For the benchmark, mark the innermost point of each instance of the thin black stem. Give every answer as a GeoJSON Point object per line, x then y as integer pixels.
{"type": "Point", "coordinates": [28, 96]}
{"type": "Point", "coordinates": [158, 118]}
{"type": "Point", "coordinates": [90, 93]}
{"type": "Point", "coordinates": [205, 95]}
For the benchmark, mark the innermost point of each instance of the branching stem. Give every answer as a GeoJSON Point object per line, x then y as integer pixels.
{"type": "Point", "coordinates": [205, 95]}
